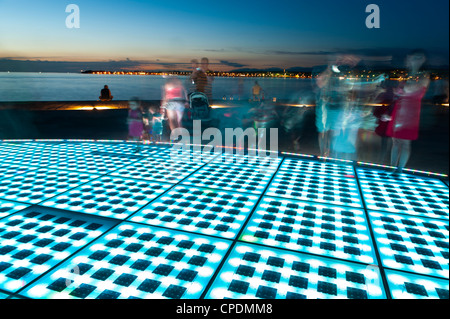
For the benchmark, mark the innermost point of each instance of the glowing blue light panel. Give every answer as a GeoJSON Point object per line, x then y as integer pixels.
{"type": "Point", "coordinates": [313, 167]}
{"type": "Point", "coordinates": [134, 261]}
{"type": "Point", "coordinates": [256, 272]}
{"type": "Point", "coordinates": [254, 161]}
{"type": "Point", "coordinates": [8, 208]}
{"type": "Point", "coordinates": [388, 177]}
{"type": "Point", "coordinates": [314, 228]}
{"type": "Point", "coordinates": [159, 169]}
{"type": "Point", "coordinates": [236, 178]}
{"type": "Point", "coordinates": [412, 244]}
{"type": "Point", "coordinates": [108, 197]}
{"type": "Point", "coordinates": [317, 188]}
{"type": "Point", "coordinates": [35, 240]}
{"type": "Point", "coordinates": [186, 154]}
{"type": "Point", "coordinates": [8, 170]}
{"type": "Point", "coordinates": [3, 296]}
{"type": "Point", "coordinates": [205, 211]}
{"type": "Point", "coordinates": [409, 286]}
{"type": "Point", "coordinates": [95, 163]}
{"type": "Point", "coordinates": [38, 185]}
{"type": "Point", "coordinates": [406, 199]}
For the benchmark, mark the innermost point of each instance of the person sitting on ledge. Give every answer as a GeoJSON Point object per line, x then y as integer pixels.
{"type": "Point", "coordinates": [105, 94]}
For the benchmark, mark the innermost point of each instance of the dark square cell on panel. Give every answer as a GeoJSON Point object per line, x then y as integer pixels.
{"type": "Point", "coordinates": [206, 248]}
{"type": "Point", "coordinates": [114, 243]}
{"type": "Point", "coordinates": [146, 236]}
{"type": "Point", "coordinates": [416, 289]}
{"type": "Point", "coordinates": [78, 236]}
{"type": "Point", "coordinates": [119, 260]}
{"type": "Point", "coordinates": [352, 250]}
{"type": "Point", "coordinates": [99, 255]}
{"type": "Point", "coordinates": [4, 266]}
{"type": "Point", "coordinates": [82, 291]}
{"type": "Point", "coordinates": [109, 294]}
{"type": "Point", "coordinates": [327, 272]}
{"type": "Point", "coordinates": [275, 261]}
{"type": "Point", "coordinates": [239, 286]}
{"type": "Point", "coordinates": [355, 277]}
{"type": "Point", "coordinates": [327, 288]}
{"type": "Point", "coordinates": [102, 274]}
{"type": "Point", "coordinates": [140, 264]}
{"type": "Point", "coordinates": [264, 292]}
{"type": "Point", "coordinates": [59, 285]}
{"type": "Point", "coordinates": [246, 271]}
{"type": "Point", "coordinates": [394, 237]}
{"type": "Point", "coordinates": [174, 292]}
{"type": "Point", "coordinates": [149, 285]}
{"type": "Point", "coordinates": [271, 276]}
{"type": "Point", "coordinates": [431, 264]}
{"type": "Point", "coordinates": [175, 256]}
{"type": "Point", "coordinates": [298, 282]}
{"type": "Point", "coordinates": [328, 246]}
{"type": "Point", "coordinates": [154, 251]}
{"type": "Point", "coordinates": [165, 240]}
{"type": "Point", "coordinates": [186, 244]}
{"type": "Point", "coordinates": [18, 273]}
{"type": "Point", "coordinates": [125, 280]}
{"type": "Point", "coordinates": [61, 246]}
{"type": "Point", "coordinates": [355, 293]}
{"type": "Point", "coordinates": [22, 254]}
{"type": "Point", "coordinates": [403, 259]}
{"type": "Point", "coordinates": [442, 293]}
{"type": "Point", "coordinates": [187, 275]}
{"type": "Point", "coordinates": [40, 259]}
{"type": "Point", "coordinates": [197, 261]}
{"type": "Point", "coordinates": [134, 248]}
{"type": "Point", "coordinates": [293, 295]}
{"type": "Point", "coordinates": [43, 242]}
{"type": "Point", "coordinates": [163, 270]}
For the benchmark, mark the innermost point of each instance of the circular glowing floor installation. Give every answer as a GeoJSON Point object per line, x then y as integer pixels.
{"type": "Point", "coordinates": [114, 219]}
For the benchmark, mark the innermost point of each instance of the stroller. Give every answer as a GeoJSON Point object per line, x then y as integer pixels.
{"type": "Point", "coordinates": [199, 107]}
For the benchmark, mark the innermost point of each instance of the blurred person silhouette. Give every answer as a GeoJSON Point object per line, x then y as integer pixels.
{"type": "Point", "coordinates": [404, 122]}
{"type": "Point", "coordinates": [382, 113]}
{"type": "Point", "coordinates": [191, 85]}
{"type": "Point", "coordinates": [135, 121]}
{"type": "Point", "coordinates": [209, 78]}
{"type": "Point", "coordinates": [154, 121]}
{"type": "Point", "coordinates": [105, 94]}
{"type": "Point", "coordinates": [294, 118]}
{"type": "Point", "coordinates": [174, 99]}
{"type": "Point", "coordinates": [256, 92]}
{"type": "Point", "coordinates": [331, 94]}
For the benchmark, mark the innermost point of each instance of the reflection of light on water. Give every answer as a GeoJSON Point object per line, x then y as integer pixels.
{"type": "Point", "coordinates": [90, 108]}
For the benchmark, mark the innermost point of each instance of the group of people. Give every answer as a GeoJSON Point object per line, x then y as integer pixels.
{"type": "Point", "coordinates": [344, 109]}
{"type": "Point", "coordinates": [174, 103]}
{"type": "Point", "coordinates": [345, 113]}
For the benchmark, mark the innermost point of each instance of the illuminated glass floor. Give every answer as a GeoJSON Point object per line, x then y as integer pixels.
{"type": "Point", "coordinates": [117, 220]}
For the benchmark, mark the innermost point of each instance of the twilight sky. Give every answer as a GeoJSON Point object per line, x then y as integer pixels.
{"type": "Point", "coordinates": [167, 34]}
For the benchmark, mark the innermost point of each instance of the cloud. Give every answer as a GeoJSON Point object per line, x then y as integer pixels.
{"type": "Point", "coordinates": [232, 64]}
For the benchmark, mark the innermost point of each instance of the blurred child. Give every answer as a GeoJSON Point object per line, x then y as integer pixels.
{"type": "Point", "coordinates": [135, 120]}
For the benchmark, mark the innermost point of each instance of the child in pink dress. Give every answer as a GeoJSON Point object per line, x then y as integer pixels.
{"type": "Point", "coordinates": [135, 120]}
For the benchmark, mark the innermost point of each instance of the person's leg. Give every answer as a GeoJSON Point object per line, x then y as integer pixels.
{"type": "Point", "coordinates": [404, 154]}
{"type": "Point", "coordinates": [395, 152]}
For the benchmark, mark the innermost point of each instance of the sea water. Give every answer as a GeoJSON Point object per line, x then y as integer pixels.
{"type": "Point", "coordinates": [86, 87]}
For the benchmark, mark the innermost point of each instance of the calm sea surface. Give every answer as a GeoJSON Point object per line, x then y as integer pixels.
{"type": "Point", "coordinates": [85, 87]}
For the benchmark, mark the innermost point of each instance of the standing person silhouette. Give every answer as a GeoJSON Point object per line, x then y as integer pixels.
{"type": "Point", "coordinates": [209, 78]}
{"type": "Point", "coordinates": [404, 121]}
{"type": "Point", "coordinates": [256, 92]}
